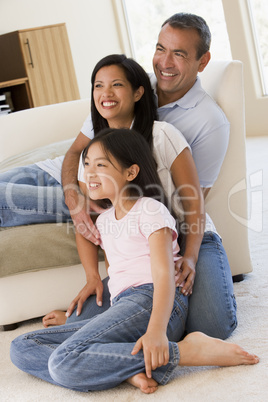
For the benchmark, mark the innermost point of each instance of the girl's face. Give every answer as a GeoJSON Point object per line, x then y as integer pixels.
{"type": "Point", "coordinates": [114, 96]}
{"type": "Point", "coordinates": [104, 177]}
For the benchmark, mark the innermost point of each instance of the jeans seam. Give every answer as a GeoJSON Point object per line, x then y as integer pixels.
{"type": "Point", "coordinates": [174, 362]}
{"type": "Point", "coordinates": [232, 298]}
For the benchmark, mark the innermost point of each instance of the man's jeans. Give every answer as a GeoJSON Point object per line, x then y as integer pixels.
{"type": "Point", "coordinates": [212, 306]}
{"type": "Point", "coordinates": [95, 354]}
{"type": "Point", "coordinates": [30, 195]}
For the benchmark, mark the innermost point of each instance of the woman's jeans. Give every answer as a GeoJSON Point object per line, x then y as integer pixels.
{"type": "Point", "coordinates": [30, 195]}
{"type": "Point", "coordinates": [212, 306]}
{"type": "Point", "coordinates": [95, 354]}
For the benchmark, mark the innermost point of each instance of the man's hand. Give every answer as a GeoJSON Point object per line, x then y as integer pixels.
{"type": "Point", "coordinates": [155, 350]}
{"type": "Point", "coordinates": [94, 286]}
{"type": "Point", "coordinates": [185, 274]}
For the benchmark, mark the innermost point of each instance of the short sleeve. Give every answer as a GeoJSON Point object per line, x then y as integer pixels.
{"type": "Point", "coordinates": [81, 170]}
{"type": "Point", "coordinates": [87, 128]}
{"type": "Point", "coordinates": [155, 216]}
{"type": "Point", "coordinates": [168, 144]}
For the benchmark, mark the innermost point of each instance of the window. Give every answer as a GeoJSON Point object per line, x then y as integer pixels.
{"type": "Point", "coordinates": [259, 18]}
{"type": "Point", "coordinates": [145, 18]}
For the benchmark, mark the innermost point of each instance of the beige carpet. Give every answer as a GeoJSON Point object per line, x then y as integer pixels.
{"type": "Point", "coordinates": [243, 383]}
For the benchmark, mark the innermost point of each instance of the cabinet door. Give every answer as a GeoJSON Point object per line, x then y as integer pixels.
{"type": "Point", "coordinates": [49, 65]}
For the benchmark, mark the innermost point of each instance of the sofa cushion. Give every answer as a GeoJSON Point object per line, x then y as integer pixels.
{"type": "Point", "coordinates": [40, 246]}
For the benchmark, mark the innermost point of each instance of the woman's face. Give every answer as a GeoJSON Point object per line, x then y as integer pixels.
{"type": "Point", "coordinates": [114, 96]}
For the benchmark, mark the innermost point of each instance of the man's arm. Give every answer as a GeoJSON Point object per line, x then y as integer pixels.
{"type": "Point", "coordinates": [74, 199]}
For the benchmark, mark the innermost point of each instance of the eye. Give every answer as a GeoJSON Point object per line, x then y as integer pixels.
{"type": "Point", "coordinates": [118, 84]}
{"type": "Point", "coordinates": [159, 49]}
{"type": "Point", "coordinates": [100, 165]}
{"type": "Point", "coordinates": [97, 86]}
{"type": "Point", "coordinates": [86, 163]}
{"type": "Point", "coordinates": [179, 54]}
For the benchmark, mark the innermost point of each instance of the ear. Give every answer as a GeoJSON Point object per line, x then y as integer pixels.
{"type": "Point", "coordinates": [139, 93]}
{"type": "Point", "coordinates": [204, 61]}
{"type": "Point", "coordinates": [132, 172]}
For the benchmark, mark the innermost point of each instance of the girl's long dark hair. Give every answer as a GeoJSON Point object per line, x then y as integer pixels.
{"type": "Point", "coordinates": [129, 147]}
{"type": "Point", "coordinates": [145, 109]}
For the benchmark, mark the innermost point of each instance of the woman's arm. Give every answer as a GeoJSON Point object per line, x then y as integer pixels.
{"type": "Point", "coordinates": [185, 178]}
{"type": "Point", "coordinates": [154, 342]}
{"type": "Point", "coordinates": [74, 199]}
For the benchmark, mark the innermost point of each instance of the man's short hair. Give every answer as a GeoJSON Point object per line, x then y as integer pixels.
{"type": "Point", "coordinates": [192, 21]}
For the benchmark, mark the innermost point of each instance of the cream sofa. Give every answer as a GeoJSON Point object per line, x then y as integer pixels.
{"type": "Point", "coordinates": [39, 265]}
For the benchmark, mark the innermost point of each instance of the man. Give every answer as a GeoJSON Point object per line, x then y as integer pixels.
{"type": "Point", "coordinates": [181, 52]}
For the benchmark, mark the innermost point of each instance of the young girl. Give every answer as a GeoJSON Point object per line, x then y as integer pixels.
{"type": "Point", "coordinates": [135, 339]}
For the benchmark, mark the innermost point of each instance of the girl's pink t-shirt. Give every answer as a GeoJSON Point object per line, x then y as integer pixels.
{"type": "Point", "coordinates": [126, 244]}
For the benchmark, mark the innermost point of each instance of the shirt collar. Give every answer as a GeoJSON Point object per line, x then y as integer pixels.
{"type": "Point", "coordinates": [189, 100]}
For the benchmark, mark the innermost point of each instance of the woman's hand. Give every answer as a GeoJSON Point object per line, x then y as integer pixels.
{"type": "Point", "coordinates": [185, 274]}
{"type": "Point", "coordinates": [80, 213]}
{"type": "Point", "coordinates": [155, 350]}
{"type": "Point", "coordinates": [93, 286]}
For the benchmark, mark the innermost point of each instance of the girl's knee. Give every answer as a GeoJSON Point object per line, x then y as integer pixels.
{"type": "Point", "coordinates": [19, 352]}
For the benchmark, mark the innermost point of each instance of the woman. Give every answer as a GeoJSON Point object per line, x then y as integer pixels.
{"type": "Point", "coordinates": [122, 97]}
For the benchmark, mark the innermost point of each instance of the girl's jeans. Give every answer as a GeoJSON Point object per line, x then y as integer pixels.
{"type": "Point", "coordinates": [212, 306]}
{"type": "Point", "coordinates": [30, 195]}
{"type": "Point", "coordinates": [95, 354]}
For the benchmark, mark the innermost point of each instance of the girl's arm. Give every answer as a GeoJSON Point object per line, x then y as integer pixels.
{"type": "Point", "coordinates": [185, 178]}
{"type": "Point", "coordinates": [88, 253]}
{"type": "Point", "coordinates": [154, 342]}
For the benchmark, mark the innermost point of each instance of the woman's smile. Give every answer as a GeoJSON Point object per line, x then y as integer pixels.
{"type": "Point", "coordinates": [114, 96]}
{"type": "Point", "coordinates": [109, 104]}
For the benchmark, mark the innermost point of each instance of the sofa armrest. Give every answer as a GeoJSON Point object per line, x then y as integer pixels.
{"type": "Point", "coordinates": [31, 128]}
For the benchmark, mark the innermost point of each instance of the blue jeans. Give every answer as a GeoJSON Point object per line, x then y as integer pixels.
{"type": "Point", "coordinates": [95, 354]}
{"type": "Point", "coordinates": [30, 195]}
{"type": "Point", "coordinates": [212, 306]}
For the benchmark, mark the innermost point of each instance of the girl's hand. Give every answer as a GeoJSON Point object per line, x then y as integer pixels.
{"type": "Point", "coordinates": [93, 286]}
{"type": "Point", "coordinates": [185, 274]}
{"type": "Point", "coordinates": [155, 350]}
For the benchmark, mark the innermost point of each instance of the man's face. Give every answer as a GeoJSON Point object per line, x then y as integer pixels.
{"type": "Point", "coordinates": [175, 62]}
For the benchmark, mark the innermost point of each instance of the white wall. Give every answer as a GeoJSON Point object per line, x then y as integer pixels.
{"type": "Point", "coordinates": [91, 28]}
{"type": "Point", "coordinates": [243, 48]}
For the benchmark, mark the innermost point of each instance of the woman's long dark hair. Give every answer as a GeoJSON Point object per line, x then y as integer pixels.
{"type": "Point", "coordinates": [145, 109]}
{"type": "Point", "coordinates": [129, 147]}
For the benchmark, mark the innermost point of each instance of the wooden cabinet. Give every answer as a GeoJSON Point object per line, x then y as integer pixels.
{"type": "Point", "coordinates": [36, 66]}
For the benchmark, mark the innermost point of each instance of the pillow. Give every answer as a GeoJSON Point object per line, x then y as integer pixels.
{"type": "Point", "coordinates": [35, 247]}
{"type": "Point", "coordinates": [40, 246]}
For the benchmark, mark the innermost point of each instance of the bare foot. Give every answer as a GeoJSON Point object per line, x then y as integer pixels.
{"type": "Point", "coordinates": [198, 349]}
{"type": "Point", "coordinates": [56, 317]}
{"type": "Point", "coordinates": [145, 384]}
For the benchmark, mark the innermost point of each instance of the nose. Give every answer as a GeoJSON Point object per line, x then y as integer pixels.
{"type": "Point", "coordinates": [107, 92]}
{"type": "Point", "coordinates": [166, 60]}
{"type": "Point", "coordinates": [89, 173]}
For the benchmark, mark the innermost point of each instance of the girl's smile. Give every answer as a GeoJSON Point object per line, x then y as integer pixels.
{"type": "Point", "coordinates": [106, 178]}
